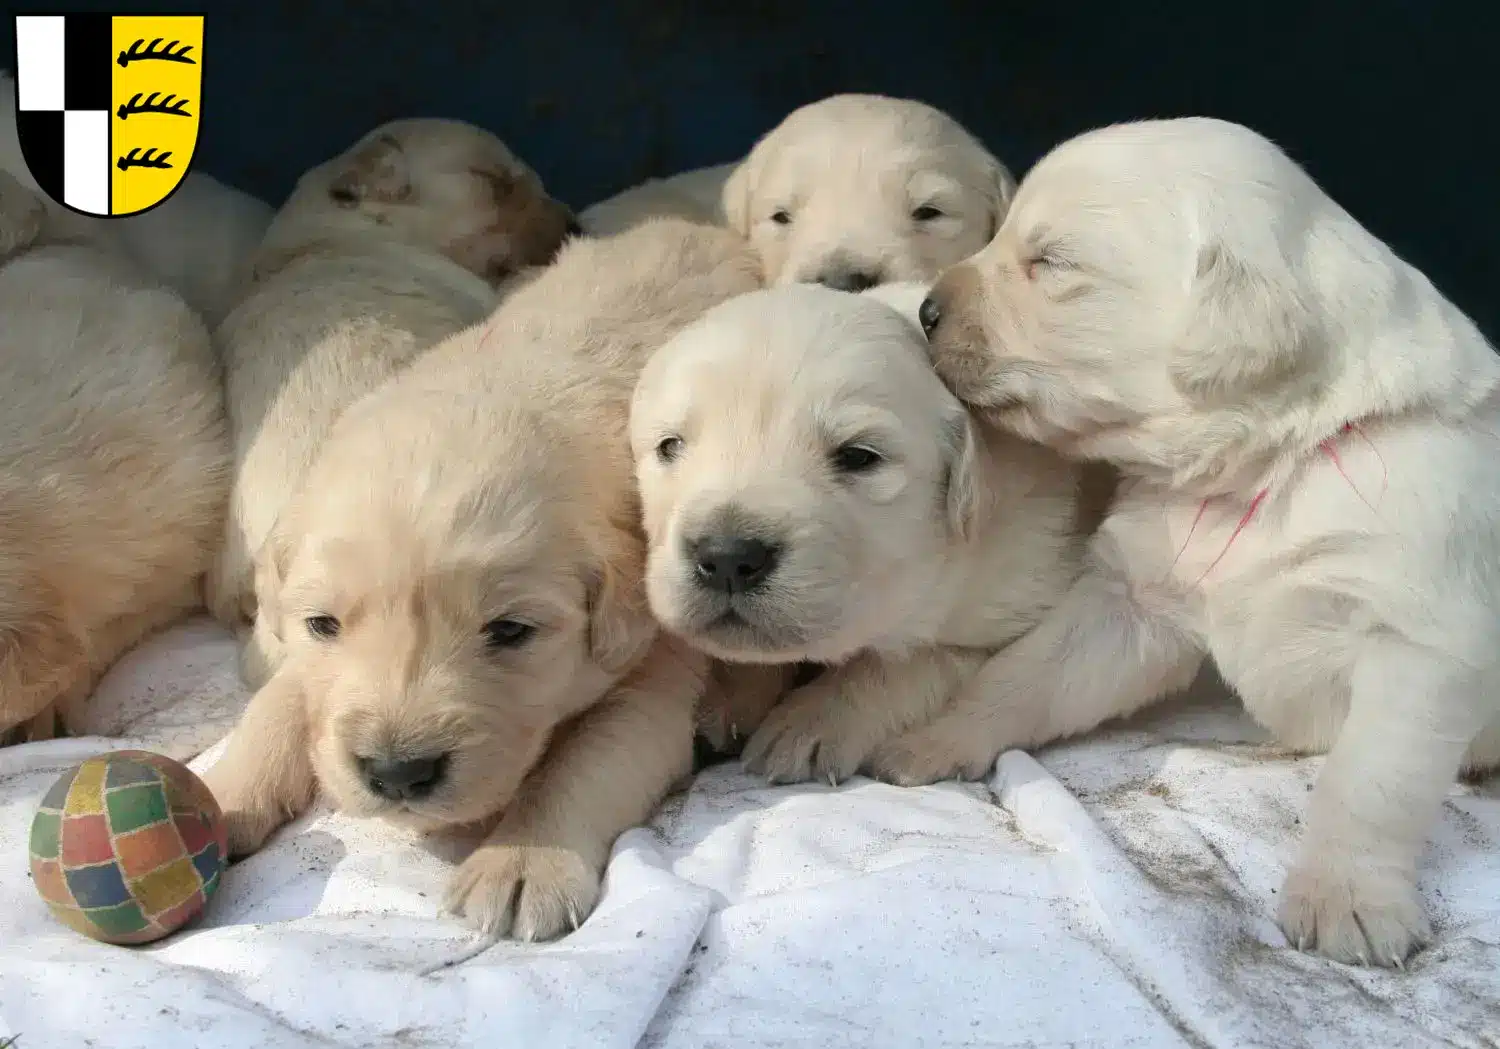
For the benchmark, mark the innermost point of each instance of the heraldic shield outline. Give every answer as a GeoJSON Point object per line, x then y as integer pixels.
{"type": "Point", "coordinates": [108, 107]}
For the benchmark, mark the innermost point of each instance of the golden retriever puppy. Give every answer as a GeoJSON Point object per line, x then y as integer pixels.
{"type": "Point", "coordinates": [839, 507]}
{"type": "Point", "coordinates": [378, 254]}
{"type": "Point", "coordinates": [458, 589]}
{"type": "Point", "coordinates": [1308, 431]}
{"type": "Point", "coordinates": [857, 190]}
{"type": "Point", "coordinates": [113, 461]}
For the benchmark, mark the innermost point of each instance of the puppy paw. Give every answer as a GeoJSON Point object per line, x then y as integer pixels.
{"type": "Point", "coordinates": [809, 737]}
{"type": "Point", "coordinates": [248, 819]}
{"type": "Point", "coordinates": [928, 755]}
{"type": "Point", "coordinates": [1352, 913]}
{"type": "Point", "coordinates": [526, 892]}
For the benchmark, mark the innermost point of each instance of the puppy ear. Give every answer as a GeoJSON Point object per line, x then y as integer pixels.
{"type": "Point", "coordinates": [968, 495]}
{"type": "Point", "coordinates": [735, 198]}
{"type": "Point", "coordinates": [1246, 334]}
{"type": "Point", "coordinates": [271, 563]}
{"type": "Point", "coordinates": [620, 622]}
{"type": "Point", "coordinates": [376, 171]}
{"type": "Point", "coordinates": [1002, 192]}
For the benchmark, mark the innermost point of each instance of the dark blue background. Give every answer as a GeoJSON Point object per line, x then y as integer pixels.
{"type": "Point", "coordinates": [1390, 104]}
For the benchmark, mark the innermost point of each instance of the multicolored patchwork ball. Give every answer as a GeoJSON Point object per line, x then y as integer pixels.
{"type": "Point", "coordinates": [128, 847]}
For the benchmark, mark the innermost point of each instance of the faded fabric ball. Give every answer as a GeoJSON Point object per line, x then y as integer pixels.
{"type": "Point", "coordinates": [128, 847]}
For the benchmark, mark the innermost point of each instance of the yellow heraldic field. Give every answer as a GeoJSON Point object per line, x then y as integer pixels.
{"type": "Point", "coordinates": [157, 102]}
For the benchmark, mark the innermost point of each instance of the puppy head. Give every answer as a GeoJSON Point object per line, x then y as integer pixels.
{"type": "Point", "coordinates": [857, 190]}
{"type": "Point", "coordinates": [1147, 293]}
{"type": "Point", "coordinates": [439, 184]}
{"type": "Point", "coordinates": [803, 474]}
{"type": "Point", "coordinates": [446, 608]}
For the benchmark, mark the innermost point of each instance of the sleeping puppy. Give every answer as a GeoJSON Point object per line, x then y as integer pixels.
{"type": "Point", "coordinates": [113, 462]}
{"type": "Point", "coordinates": [1308, 431]}
{"type": "Point", "coordinates": [839, 508]}
{"type": "Point", "coordinates": [378, 254]}
{"type": "Point", "coordinates": [857, 190]}
{"type": "Point", "coordinates": [458, 587]}
{"type": "Point", "coordinates": [198, 241]}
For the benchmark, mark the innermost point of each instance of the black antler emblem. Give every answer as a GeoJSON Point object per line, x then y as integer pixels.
{"type": "Point", "coordinates": [149, 159]}
{"type": "Point", "coordinates": [152, 105]}
{"type": "Point", "coordinates": [156, 54]}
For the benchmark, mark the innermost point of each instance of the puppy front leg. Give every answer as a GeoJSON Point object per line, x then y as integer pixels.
{"type": "Point", "coordinates": [737, 700]}
{"type": "Point", "coordinates": [265, 775]}
{"type": "Point", "coordinates": [827, 728]}
{"type": "Point", "coordinates": [1352, 894]}
{"type": "Point", "coordinates": [1095, 656]}
{"type": "Point", "coordinates": [538, 874]}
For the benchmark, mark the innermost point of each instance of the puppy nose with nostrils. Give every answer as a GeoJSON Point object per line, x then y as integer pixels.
{"type": "Point", "coordinates": [929, 313]}
{"type": "Point", "coordinates": [405, 780]}
{"type": "Point", "coordinates": [732, 564]}
{"type": "Point", "coordinates": [847, 280]}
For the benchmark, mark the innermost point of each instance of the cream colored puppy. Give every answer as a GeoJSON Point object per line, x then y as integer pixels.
{"type": "Point", "coordinates": [458, 586]}
{"type": "Point", "coordinates": [1309, 432]}
{"type": "Point", "coordinates": [113, 461]}
{"type": "Point", "coordinates": [378, 253]}
{"type": "Point", "coordinates": [835, 504]}
{"type": "Point", "coordinates": [857, 190]}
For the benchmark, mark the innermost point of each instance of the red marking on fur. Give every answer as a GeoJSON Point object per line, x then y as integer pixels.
{"type": "Point", "coordinates": [1183, 549]}
{"type": "Point", "coordinates": [1244, 521]}
{"type": "Point", "coordinates": [1338, 464]}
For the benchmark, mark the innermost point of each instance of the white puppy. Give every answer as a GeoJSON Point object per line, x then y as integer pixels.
{"type": "Point", "coordinates": [834, 503]}
{"type": "Point", "coordinates": [458, 586]}
{"type": "Point", "coordinates": [378, 254]}
{"type": "Point", "coordinates": [858, 190]}
{"type": "Point", "coordinates": [1309, 432]}
{"type": "Point", "coordinates": [198, 240]}
{"type": "Point", "coordinates": [113, 461]}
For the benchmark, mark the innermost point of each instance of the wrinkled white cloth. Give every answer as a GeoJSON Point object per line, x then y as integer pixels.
{"type": "Point", "coordinates": [1117, 893]}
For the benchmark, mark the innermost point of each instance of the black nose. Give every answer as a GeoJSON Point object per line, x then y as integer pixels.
{"type": "Point", "coordinates": [929, 313]}
{"type": "Point", "coordinates": [731, 563]}
{"type": "Point", "coordinates": [403, 780]}
{"type": "Point", "coordinates": [847, 280]}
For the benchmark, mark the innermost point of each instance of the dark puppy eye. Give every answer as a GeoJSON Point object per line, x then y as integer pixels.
{"type": "Point", "coordinates": [782, 217]}
{"type": "Point", "coordinates": [322, 626]}
{"type": "Point", "coordinates": [668, 449]}
{"type": "Point", "coordinates": [343, 196]}
{"type": "Point", "coordinates": [856, 459]}
{"type": "Point", "coordinates": [507, 633]}
{"type": "Point", "coordinates": [926, 213]}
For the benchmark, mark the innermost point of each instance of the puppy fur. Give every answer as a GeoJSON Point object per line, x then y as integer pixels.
{"type": "Point", "coordinates": [113, 462]}
{"type": "Point", "coordinates": [858, 190]}
{"type": "Point", "coordinates": [1308, 431]}
{"type": "Point", "coordinates": [458, 582]}
{"type": "Point", "coordinates": [888, 535]}
{"type": "Point", "coordinates": [692, 195]}
{"type": "Point", "coordinates": [379, 253]}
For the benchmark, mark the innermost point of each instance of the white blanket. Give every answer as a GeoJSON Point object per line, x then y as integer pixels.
{"type": "Point", "coordinates": [1118, 894]}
